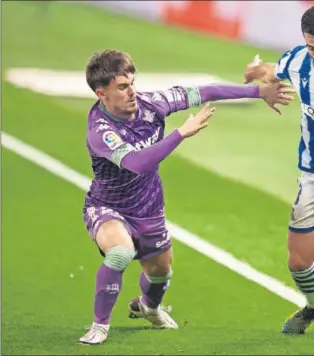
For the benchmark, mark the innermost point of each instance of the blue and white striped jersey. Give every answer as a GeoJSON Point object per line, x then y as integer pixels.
{"type": "Point", "coordinates": [297, 66]}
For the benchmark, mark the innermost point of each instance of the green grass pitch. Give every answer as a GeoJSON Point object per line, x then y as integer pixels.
{"type": "Point", "coordinates": [232, 185]}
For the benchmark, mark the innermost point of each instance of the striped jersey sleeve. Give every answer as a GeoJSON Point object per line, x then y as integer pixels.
{"type": "Point", "coordinates": [282, 67]}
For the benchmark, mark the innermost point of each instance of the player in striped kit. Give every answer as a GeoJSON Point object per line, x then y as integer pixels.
{"type": "Point", "coordinates": [297, 66]}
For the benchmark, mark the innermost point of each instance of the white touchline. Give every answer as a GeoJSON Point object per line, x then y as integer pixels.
{"type": "Point", "coordinates": [195, 242]}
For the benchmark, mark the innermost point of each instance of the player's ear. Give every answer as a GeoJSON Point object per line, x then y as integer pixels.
{"type": "Point", "coordinates": [100, 92]}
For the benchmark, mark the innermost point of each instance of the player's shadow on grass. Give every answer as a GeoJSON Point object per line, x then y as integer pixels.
{"type": "Point", "coordinates": [131, 329]}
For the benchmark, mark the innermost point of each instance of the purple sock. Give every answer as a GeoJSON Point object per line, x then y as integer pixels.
{"type": "Point", "coordinates": [152, 293]}
{"type": "Point", "coordinates": [108, 285]}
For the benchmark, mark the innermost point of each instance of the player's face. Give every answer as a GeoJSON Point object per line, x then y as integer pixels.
{"type": "Point", "coordinates": [309, 39]}
{"type": "Point", "coordinates": [119, 97]}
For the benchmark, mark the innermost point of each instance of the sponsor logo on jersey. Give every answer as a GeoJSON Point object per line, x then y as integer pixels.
{"type": "Point", "coordinates": [149, 141]}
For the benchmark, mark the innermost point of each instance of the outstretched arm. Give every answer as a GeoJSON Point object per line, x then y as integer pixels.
{"type": "Point", "coordinates": [181, 98]}
{"type": "Point", "coordinates": [110, 145]}
{"type": "Point", "coordinates": [148, 158]}
{"type": "Point", "coordinates": [263, 72]}
{"type": "Point", "coordinates": [271, 72]}
{"type": "Point", "coordinates": [214, 92]}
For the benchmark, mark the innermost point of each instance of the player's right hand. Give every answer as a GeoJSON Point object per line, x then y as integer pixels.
{"type": "Point", "coordinates": [198, 122]}
{"type": "Point", "coordinates": [250, 70]}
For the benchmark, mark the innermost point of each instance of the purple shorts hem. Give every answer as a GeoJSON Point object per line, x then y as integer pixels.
{"type": "Point", "coordinates": [109, 218]}
{"type": "Point", "coordinates": [153, 254]}
{"type": "Point", "coordinates": [149, 235]}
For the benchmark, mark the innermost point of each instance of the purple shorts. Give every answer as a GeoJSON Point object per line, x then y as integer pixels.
{"type": "Point", "coordinates": [150, 235]}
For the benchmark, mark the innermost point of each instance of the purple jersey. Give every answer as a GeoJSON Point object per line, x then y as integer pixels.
{"type": "Point", "coordinates": [109, 140]}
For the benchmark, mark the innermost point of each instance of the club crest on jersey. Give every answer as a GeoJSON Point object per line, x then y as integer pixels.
{"type": "Point", "coordinates": [112, 140]}
{"type": "Point", "coordinates": [157, 96]}
{"type": "Point", "coordinates": [148, 116]}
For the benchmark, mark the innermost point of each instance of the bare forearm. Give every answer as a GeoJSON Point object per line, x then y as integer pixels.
{"type": "Point", "coordinates": [264, 73]}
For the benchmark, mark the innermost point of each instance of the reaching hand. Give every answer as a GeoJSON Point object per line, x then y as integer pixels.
{"type": "Point", "coordinates": [198, 122]}
{"type": "Point", "coordinates": [276, 93]}
{"type": "Point", "coordinates": [249, 73]}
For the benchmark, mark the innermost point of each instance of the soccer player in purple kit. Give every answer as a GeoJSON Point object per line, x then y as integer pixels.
{"type": "Point", "coordinates": [124, 207]}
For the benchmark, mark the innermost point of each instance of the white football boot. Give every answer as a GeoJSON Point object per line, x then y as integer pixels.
{"type": "Point", "coordinates": [159, 317]}
{"type": "Point", "coordinates": [96, 335]}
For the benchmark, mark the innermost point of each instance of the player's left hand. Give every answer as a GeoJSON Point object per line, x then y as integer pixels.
{"type": "Point", "coordinates": [276, 93]}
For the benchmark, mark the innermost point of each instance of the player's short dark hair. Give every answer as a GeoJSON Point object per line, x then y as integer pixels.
{"type": "Point", "coordinates": [105, 66]}
{"type": "Point", "coordinates": [307, 22]}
